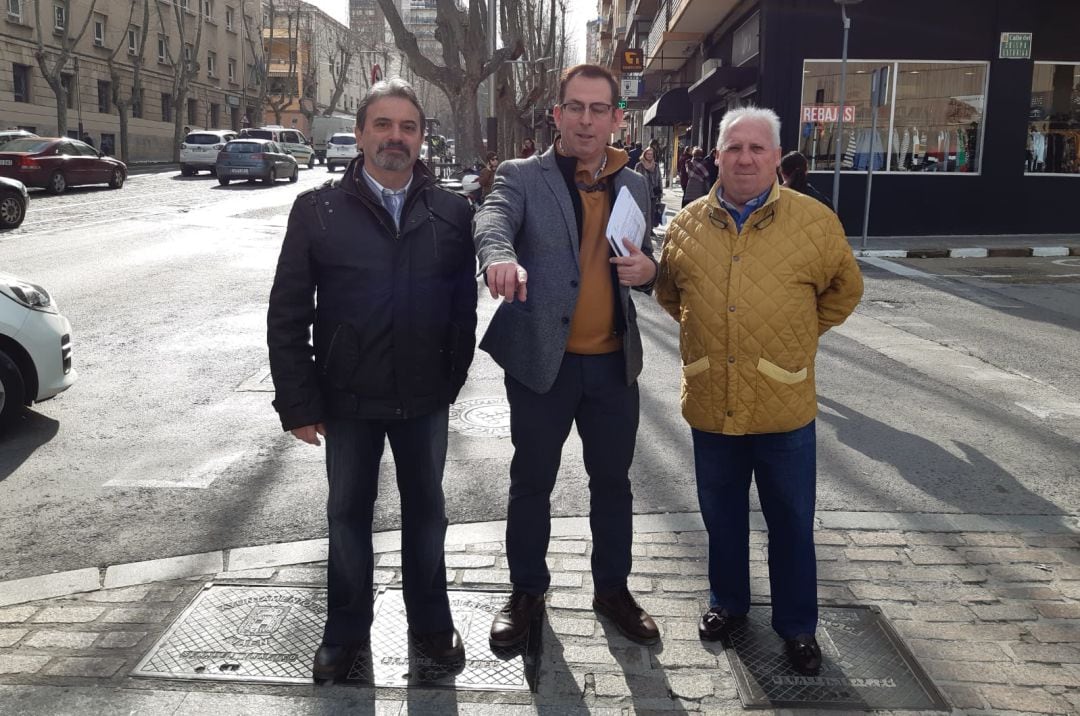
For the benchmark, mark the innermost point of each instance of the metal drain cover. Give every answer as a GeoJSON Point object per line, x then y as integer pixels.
{"type": "Point", "coordinates": [865, 665]}
{"type": "Point", "coordinates": [242, 633]}
{"type": "Point", "coordinates": [395, 662]}
{"type": "Point", "coordinates": [481, 418]}
{"type": "Point", "coordinates": [270, 634]}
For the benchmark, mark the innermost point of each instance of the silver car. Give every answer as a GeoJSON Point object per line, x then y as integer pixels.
{"type": "Point", "coordinates": [253, 159]}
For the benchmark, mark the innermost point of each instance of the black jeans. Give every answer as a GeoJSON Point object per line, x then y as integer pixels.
{"type": "Point", "coordinates": [353, 451]}
{"type": "Point", "coordinates": [591, 391]}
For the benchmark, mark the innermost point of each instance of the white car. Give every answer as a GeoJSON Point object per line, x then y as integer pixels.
{"type": "Point", "coordinates": [200, 148]}
{"type": "Point", "coordinates": [340, 150]}
{"type": "Point", "coordinates": [35, 347]}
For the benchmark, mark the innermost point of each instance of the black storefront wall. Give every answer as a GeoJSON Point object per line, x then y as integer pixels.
{"type": "Point", "coordinates": [1000, 200]}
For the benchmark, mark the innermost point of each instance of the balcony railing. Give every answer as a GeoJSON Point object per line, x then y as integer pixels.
{"type": "Point", "coordinates": [659, 27]}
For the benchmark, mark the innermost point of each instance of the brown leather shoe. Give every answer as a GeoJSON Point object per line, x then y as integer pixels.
{"type": "Point", "coordinates": [333, 661]}
{"type": "Point", "coordinates": [629, 618]}
{"type": "Point", "coordinates": [511, 624]}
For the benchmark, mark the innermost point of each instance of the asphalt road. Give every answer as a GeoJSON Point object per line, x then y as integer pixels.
{"type": "Point", "coordinates": [947, 392]}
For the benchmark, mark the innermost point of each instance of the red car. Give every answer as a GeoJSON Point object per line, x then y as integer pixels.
{"type": "Point", "coordinates": [55, 164]}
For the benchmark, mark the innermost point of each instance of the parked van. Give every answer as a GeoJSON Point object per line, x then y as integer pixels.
{"type": "Point", "coordinates": [291, 140]}
{"type": "Point", "coordinates": [322, 128]}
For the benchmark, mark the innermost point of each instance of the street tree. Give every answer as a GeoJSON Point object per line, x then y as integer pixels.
{"type": "Point", "coordinates": [52, 62]}
{"type": "Point", "coordinates": [528, 88]}
{"type": "Point", "coordinates": [282, 86]}
{"type": "Point", "coordinates": [338, 46]}
{"type": "Point", "coordinates": [183, 59]}
{"type": "Point", "coordinates": [466, 60]}
{"type": "Point", "coordinates": [132, 100]}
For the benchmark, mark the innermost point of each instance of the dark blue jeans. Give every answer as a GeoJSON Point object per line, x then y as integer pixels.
{"type": "Point", "coordinates": [784, 465]}
{"type": "Point", "coordinates": [353, 451]}
{"type": "Point", "coordinates": [592, 392]}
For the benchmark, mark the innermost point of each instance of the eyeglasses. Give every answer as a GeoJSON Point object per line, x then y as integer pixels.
{"type": "Point", "coordinates": [577, 109]}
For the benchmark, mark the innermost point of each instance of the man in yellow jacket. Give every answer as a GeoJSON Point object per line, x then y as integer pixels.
{"type": "Point", "coordinates": [754, 273]}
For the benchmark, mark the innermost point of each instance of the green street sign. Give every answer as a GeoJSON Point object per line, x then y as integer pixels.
{"type": "Point", "coordinates": [1015, 46]}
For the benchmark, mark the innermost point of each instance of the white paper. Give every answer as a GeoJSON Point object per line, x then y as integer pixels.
{"type": "Point", "coordinates": [626, 222]}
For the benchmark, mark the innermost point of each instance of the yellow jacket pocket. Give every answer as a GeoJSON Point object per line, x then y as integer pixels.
{"type": "Point", "coordinates": [699, 366]}
{"type": "Point", "coordinates": [778, 374]}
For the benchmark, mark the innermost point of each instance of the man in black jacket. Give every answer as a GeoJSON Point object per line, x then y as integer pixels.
{"type": "Point", "coordinates": [390, 256]}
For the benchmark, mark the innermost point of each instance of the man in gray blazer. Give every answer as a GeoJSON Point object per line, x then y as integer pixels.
{"type": "Point", "coordinates": [568, 340]}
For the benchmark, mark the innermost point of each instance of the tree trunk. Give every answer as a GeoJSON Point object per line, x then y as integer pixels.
{"type": "Point", "coordinates": [179, 119]}
{"type": "Point", "coordinates": [469, 139]}
{"type": "Point", "coordinates": [122, 113]}
{"type": "Point", "coordinates": [61, 105]}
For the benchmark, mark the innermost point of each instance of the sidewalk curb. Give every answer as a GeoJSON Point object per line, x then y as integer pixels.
{"type": "Point", "coordinates": [970, 252]}
{"type": "Point", "coordinates": [91, 579]}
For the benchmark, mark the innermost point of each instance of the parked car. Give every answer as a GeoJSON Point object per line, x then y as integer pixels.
{"type": "Point", "coordinates": [35, 347]}
{"type": "Point", "coordinates": [13, 202]}
{"type": "Point", "coordinates": [290, 140]}
{"type": "Point", "coordinates": [253, 159]}
{"type": "Point", "coordinates": [55, 163]}
{"type": "Point", "coordinates": [340, 150]}
{"type": "Point", "coordinates": [323, 128]}
{"type": "Point", "coordinates": [199, 150]}
{"type": "Point", "coordinates": [8, 134]}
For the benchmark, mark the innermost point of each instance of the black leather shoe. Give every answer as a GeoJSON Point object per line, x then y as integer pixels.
{"type": "Point", "coordinates": [804, 654]}
{"type": "Point", "coordinates": [332, 661]}
{"type": "Point", "coordinates": [718, 623]}
{"type": "Point", "coordinates": [511, 624]}
{"type": "Point", "coordinates": [629, 618]}
{"type": "Point", "coordinates": [445, 648]}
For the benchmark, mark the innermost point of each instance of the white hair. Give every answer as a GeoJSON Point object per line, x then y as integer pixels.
{"type": "Point", "coordinates": [756, 114]}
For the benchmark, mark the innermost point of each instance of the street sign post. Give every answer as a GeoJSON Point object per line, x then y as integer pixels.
{"type": "Point", "coordinates": [879, 93]}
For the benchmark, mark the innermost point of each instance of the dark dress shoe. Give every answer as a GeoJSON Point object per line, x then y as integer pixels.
{"type": "Point", "coordinates": [511, 624]}
{"type": "Point", "coordinates": [629, 618]}
{"type": "Point", "coordinates": [717, 624]}
{"type": "Point", "coordinates": [333, 661]}
{"type": "Point", "coordinates": [445, 648]}
{"type": "Point", "coordinates": [804, 654]}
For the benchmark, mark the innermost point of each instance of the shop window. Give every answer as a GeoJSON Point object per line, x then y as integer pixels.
{"type": "Point", "coordinates": [931, 121]}
{"type": "Point", "coordinates": [1053, 141]}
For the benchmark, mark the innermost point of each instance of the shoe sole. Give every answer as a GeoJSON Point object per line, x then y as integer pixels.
{"type": "Point", "coordinates": [644, 641]}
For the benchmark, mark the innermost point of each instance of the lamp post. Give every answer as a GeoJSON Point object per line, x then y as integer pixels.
{"type": "Point", "coordinates": [840, 112]}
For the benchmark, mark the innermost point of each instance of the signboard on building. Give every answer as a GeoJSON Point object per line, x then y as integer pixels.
{"type": "Point", "coordinates": [826, 113]}
{"type": "Point", "coordinates": [630, 87]}
{"type": "Point", "coordinates": [1015, 46]}
{"type": "Point", "coordinates": [633, 61]}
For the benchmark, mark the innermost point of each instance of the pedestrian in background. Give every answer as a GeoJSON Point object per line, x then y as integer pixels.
{"type": "Point", "coordinates": [634, 152]}
{"type": "Point", "coordinates": [567, 337]}
{"type": "Point", "coordinates": [793, 168]}
{"type": "Point", "coordinates": [528, 148]}
{"type": "Point", "coordinates": [780, 274]}
{"type": "Point", "coordinates": [380, 265]}
{"type": "Point", "coordinates": [680, 167]}
{"type": "Point", "coordinates": [697, 177]}
{"type": "Point", "coordinates": [649, 169]}
{"type": "Point", "coordinates": [486, 178]}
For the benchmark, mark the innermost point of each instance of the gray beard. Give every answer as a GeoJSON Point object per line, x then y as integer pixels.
{"type": "Point", "coordinates": [392, 162]}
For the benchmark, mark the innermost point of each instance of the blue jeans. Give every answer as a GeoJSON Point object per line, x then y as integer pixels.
{"type": "Point", "coordinates": [591, 391]}
{"type": "Point", "coordinates": [784, 466]}
{"type": "Point", "coordinates": [353, 451]}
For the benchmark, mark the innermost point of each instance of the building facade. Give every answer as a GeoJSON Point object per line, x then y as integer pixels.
{"type": "Point", "coordinates": [977, 125]}
{"type": "Point", "coordinates": [226, 80]}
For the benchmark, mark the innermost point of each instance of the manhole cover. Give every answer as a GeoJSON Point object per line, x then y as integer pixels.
{"type": "Point", "coordinates": [481, 418]}
{"type": "Point", "coordinates": [394, 662]}
{"type": "Point", "coordinates": [270, 634]}
{"type": "Point", "coordinates": [242, 633]}
{"type": "Point", "coordinates": [866, 666]}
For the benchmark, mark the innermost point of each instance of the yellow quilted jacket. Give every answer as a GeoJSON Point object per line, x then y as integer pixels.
{"type": "Point", "coordinates": [751, 306]}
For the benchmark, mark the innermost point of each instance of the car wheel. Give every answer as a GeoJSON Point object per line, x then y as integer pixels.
{"type": "Point", "coordinates": [12, 389]}
{"type": "Point", "coordinates": [271, 176]}
{"type": "Point", "coordinates": [213, 171]}
{"type": "Point", "coordinates": [295, 174]}
{"type": "Point", "coordinates": [329, 167]}
{"type": "Point", "coordinates": [117, 180]}
{"type": "Point", "coordinates": [12, 210]}
{"type": "Point", "coordinates": [223, 181]}
{"type": "Point", "coordinates": [185, 170]}
{"type": "Point", "coordinates": [311, 162]}
{"type": "Point", "coordinates": [57, 183]}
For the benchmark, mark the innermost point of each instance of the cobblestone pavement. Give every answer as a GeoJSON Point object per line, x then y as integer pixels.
{"type": "Point", "coordinates": [993, 615]}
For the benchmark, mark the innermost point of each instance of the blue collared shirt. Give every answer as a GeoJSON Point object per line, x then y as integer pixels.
{"type": "Point", "coordinates": [741, 216]}
{"type": "Point", "coordinates": [392, 199]}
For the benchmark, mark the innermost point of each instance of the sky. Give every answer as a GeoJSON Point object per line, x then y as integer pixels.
{"type": "Point", "coordinates": [581, 11]}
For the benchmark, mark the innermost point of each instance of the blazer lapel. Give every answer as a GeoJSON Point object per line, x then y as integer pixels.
{"type": "Point", "coordinates": [554, 178]}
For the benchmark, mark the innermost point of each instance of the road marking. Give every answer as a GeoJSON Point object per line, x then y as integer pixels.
{"type": "Point", "coordinates": [953, 367]}
{"type": "Point", "coordinates": [960, 289]}
{"type": "Point", "coordinates": [1068, 262]}
{"type": "Point", "coordinates": [898, 269]}
{"type": "Point", "coordinates": [198, 479]}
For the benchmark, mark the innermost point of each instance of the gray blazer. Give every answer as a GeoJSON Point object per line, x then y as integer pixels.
{"type": "Point", "coordinates": [529, 218]}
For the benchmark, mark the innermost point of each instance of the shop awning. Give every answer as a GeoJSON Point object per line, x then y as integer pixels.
{"type": "Point", "coordinates": [730, 78]}
{"type": "Point", "coordinates": [672, 108]}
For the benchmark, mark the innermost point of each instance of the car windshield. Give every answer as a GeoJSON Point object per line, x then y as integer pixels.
{"type": "Point", "coordinates": [202, 138]}
{"type": "Point", "coordinates": [244, 147]}
{"type": "Point", "coordinates": [343, 139]}
{"type": "Point", "coordinates": [27, 145]}
{"type": "Point", "coordinates": [260, 133]}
